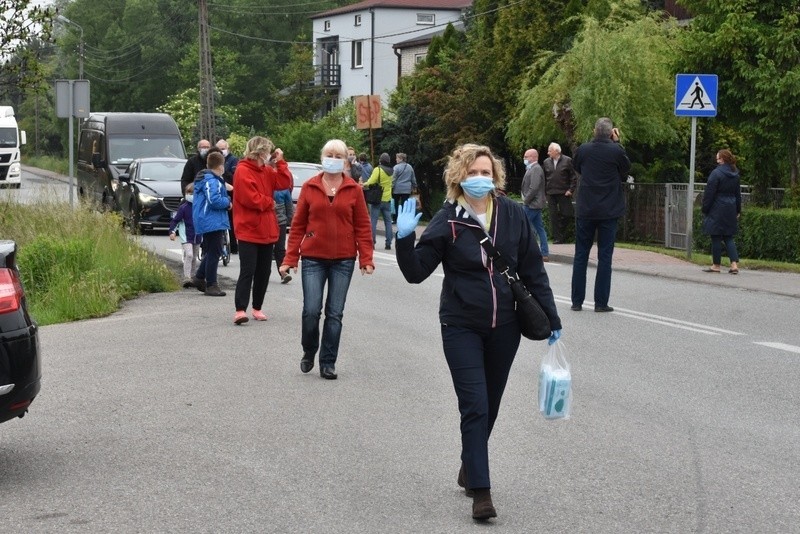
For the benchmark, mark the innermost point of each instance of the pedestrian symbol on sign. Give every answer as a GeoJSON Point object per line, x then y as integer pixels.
{"type": "Point", "coordinates": [696, 95]}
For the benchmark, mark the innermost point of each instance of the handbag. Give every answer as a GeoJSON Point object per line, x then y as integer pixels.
{"type": "Point", "coordinates": [373, 194]}
{"type": "Point", "coordinates": [533, 322]}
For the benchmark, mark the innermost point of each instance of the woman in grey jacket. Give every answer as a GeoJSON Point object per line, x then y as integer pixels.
{"type": "Point", "coordinates": [404, 181]}
{"type": "Point", "coordinates": [480, 330]}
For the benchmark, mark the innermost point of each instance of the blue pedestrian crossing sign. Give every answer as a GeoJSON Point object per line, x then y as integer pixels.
{"type": "Point", "coordinates": [696, 95]}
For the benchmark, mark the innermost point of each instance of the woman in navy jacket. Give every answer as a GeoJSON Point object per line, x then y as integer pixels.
{"type": "Point", "coordinates": [480, 331]}
{"type": "Point", "coordinates": [722, 204]}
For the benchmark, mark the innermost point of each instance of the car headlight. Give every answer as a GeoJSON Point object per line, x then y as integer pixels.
{"type": "Point", "coordinates": [146, 199]}
{"type": "Point", "coordinates": [14, 169]}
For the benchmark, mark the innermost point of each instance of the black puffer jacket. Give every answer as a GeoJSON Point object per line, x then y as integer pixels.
{"type": "Point", "coordinates": [474, 294]}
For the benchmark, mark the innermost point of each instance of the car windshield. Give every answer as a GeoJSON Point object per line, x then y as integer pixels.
{"type": "Point", "coordinates": [123, 150]}
{"type": "Point", "coordinates": [161, 171]}
{"type": "Point", "coordinates": [8, 137]}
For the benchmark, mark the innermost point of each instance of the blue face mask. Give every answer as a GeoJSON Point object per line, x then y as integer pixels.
{"type": "Point", "coordinates": [332, 165]}
{"type": "Point", "coordinates": [477, 186]}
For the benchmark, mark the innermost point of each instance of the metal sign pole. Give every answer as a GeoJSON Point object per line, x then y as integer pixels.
{"type": "Point", "coordinates": [690, 192]}
{"type": "Point", "coordinates": [71, 148]}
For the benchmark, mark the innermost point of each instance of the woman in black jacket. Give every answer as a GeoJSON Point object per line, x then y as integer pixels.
{"type": "Point", "coordinates": [480, 331]}
{"type": "Point", "coordinates": [722, 204]}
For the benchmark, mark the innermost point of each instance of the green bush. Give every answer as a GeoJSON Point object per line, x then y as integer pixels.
{"type": "Point", "coordinates": [77, 264]}
{"type": "Point", "coordinates": [764, 234]}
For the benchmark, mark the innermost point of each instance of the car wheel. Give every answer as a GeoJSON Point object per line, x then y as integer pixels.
{"type": "Point", "coordinates": [132, 219]}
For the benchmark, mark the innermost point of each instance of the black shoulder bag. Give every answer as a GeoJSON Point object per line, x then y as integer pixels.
{"type": "Point", "coordinates": [533, 322]}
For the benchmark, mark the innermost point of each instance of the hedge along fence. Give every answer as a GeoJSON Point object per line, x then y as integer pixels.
{"type": "Point", "coordinates": [764, 234]}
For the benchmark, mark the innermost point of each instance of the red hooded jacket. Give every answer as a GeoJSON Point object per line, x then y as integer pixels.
{"type": "Point", "coordinates": [328, 230]}
{"type": "Point", "coordinates": [254, 219]}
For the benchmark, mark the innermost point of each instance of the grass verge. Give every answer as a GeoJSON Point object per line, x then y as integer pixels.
{"type": "Point", "coordinates": [78, 264]}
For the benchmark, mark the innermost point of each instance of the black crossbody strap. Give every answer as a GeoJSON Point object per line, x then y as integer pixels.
{"type": "Point", "coordinates": [493, 253]}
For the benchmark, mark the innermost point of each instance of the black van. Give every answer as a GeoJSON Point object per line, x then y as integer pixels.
{"type": "Point", "coordinates": [111, 141]}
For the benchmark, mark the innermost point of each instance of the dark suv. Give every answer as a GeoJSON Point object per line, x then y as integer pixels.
{"type": "Point", "coordinates": [20, 365]}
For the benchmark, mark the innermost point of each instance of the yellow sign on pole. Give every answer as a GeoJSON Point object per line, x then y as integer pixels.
{"type": "Point", "coordinates": [368, 112]}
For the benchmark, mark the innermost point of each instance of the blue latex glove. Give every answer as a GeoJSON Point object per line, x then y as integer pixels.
{"type": "Point", "coordinates": [407, 218]}
{"type": "Point", "coordinates": [555, 335]}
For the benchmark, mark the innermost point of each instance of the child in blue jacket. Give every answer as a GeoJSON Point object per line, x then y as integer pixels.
{"type": "Point", "coordinates": [210, 215]}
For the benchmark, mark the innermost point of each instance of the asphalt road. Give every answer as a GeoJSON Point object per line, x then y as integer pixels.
{"type": "Point", "coordinates": [165, 417]}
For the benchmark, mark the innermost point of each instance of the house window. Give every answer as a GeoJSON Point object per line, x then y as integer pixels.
{"type": "Point", "coordinates": [358, 20]}
{"type": "Point", "coordinates": [327, 25]}
{"type": "Point", "coordinates": [419, 58]}
{"type": "Point", "coordinates": [426, 18]}
{"type": "Point", "coordinates": [356, 58]}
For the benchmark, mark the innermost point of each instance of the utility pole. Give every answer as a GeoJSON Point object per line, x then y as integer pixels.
{"type": "Point", "coordinates": [207, 124]}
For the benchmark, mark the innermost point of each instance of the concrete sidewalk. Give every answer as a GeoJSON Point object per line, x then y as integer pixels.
{"type": "Point", "coordinates": [654, 264]}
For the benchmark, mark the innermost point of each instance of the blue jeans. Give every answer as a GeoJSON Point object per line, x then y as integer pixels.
{"type": "Point", "coordinates": [315, 274]}
{"type": "Point", "coordinates": [585, 230]}
{"type": "Point", "coordinates": [376, 210]}
{"type": "Point", "coordinates": [716, 248]}
{"type": "Point", "coordinates": [535, 218]}
{"type": "Point", "coordinates": [212, 250]}
{"type": "Point", "coordinates": [479, 362]}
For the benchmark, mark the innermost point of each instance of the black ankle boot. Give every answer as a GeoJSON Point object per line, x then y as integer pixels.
{"type": "Point", "coordinates": [462, 480]}
{"type": "Point", "coordinates": [482, 507]}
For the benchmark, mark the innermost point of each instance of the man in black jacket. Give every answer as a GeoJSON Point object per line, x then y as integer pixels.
{"type": "Point", "coordinates": [603, 167]}
{"type": "Point", "coordinates": [560, 183]}
{"type": "Point", "coordinates": [195, 163]}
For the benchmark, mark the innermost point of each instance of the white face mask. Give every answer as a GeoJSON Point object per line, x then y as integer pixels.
{"type": "Point", "coordinates": [189, 198]}
{"type": "Point", "coordinates": [332, 165]}
{"type": "Point", "coordinates": [225, 152]}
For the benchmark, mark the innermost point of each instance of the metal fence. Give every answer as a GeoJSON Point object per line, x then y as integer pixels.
{"type": "Point", "coordinates": [657, 212]}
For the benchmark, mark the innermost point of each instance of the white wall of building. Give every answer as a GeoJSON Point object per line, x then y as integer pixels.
{"type": "Point", "coordinates": [392, 25]}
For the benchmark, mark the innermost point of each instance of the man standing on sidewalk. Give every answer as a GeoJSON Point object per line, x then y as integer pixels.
{"type": "Point", "coordinates": [560, 186]}
{"type": "Point", "coordinates": [603, 166]}
{"type": "Point", "coordinates": [533, 197]}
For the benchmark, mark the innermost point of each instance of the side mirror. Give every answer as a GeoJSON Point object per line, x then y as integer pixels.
{"type": "Point", "coordinates": [23, 139]}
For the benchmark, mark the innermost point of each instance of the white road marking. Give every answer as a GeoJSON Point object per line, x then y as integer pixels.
{"type": "Point", "coordinates": [779, 346]}
{"type": "Point", "coordinates": [660, 319]}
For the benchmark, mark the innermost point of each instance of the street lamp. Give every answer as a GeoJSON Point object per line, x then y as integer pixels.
{"type": "Point", "coordinates": [65, 20]}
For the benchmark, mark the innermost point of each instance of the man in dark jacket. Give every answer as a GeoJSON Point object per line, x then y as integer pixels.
{"type": "Point", "coordinates": [560, 187]}
{"type": "Point", "coordinates": [195, 164]}
{"type": "Point", "coordinates": [603, 167]}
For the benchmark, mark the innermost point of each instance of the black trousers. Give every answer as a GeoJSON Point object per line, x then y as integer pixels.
{"type": "Point", "coordinates": [561, 215]}
{"type": "Point", "coordinates": [255, 263]}
{"type": "Point", "coordinates": [280, 246]}
{"type": "Point", "coordinates": [479, 362]}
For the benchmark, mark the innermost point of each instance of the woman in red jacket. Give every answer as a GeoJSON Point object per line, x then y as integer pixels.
{"type": "Point", "coordinates": [330, 228]}
{"type": "Point", "coordinates": [254, 221]}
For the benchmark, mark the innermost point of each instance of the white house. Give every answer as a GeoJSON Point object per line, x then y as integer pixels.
{"type": "Point", "coordinates": [354, 50]}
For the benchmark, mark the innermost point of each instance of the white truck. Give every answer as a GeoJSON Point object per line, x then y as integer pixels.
{"type": "Point", "coordinates": [11, 139]}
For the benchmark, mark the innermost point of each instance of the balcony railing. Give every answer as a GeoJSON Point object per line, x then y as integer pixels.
{"type": "Point", "coordinates": [328, 76]}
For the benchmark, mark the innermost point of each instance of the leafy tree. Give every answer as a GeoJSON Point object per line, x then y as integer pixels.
{"type": "Point", "coordinates": [754, 48]}
{"type": "Point", "coordinates": [302, 140]}
{"type": "Point", "coordinates": [20, 24]}
{"type": "Point", "coordinates": [620, 67]}
{"type": "Point", "coordinates": [300, 98]}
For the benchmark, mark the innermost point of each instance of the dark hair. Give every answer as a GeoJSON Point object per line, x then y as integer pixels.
{"type": "Point", "coordinates": [727, 157]}
{"type": "Point", "coordinates": [215, 159]}
{"type": "Point", "coordinates": [385, 159]}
